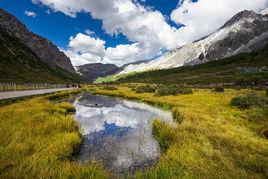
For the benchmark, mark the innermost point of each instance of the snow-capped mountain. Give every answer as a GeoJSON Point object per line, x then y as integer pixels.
{"type": "Point", "coordinates": [247, 31]}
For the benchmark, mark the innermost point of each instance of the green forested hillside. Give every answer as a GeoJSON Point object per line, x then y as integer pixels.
{"type": "Point", "coordinates": [243, 69]}
{"type": "Point", "coordinates": [18, 63]}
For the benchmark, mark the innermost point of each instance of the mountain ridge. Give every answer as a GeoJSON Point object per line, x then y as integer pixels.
{"type": "Point", "coordinates": [42, 47]}
{"type": "Point", "coordinates": [245, 32]}
{"type": "Point", "coordinates": [19, 64]}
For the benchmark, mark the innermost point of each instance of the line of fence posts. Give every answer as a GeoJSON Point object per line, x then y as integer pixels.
{"type": "Point", "coordinates": [4, 87]}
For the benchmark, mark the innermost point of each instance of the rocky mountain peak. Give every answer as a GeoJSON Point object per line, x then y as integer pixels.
{"type": "Point", "coordinates": [245, 32]}
{"type": "Point", "coordinates": [42, 47]}
{"type": "Point", "coordinates": [243, 15]}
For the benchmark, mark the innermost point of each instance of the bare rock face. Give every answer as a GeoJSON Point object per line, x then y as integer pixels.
{"type": "Point", "coordinates": [42, 47]}
{"type": "Point", "coordinates": [246, 32]}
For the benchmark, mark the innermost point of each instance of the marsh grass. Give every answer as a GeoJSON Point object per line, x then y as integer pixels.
{"type": "Point", "coordinates": [211, 138]}
{"type": "Point", "coordinates": [62, 94]}
{"type": "Point", "coordinates": [38, 140]}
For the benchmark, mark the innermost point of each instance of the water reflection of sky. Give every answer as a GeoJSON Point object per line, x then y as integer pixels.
{"type": "Point", "coordinates": [118, 132]}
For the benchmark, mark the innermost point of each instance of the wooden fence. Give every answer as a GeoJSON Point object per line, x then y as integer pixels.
{"type": "Point", "coordinates": [29, 86]}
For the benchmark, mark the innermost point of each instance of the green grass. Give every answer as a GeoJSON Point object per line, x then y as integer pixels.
{"type": "Point", "coordinates": [39, 140]}
{"type": "Point", "coordinates": [214, 72]}
{"type": "Point", "coordinates": [107, 79]}
{"type": "Point", "coordinates": [211, 138]}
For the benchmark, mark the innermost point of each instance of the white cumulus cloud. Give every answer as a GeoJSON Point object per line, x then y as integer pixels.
{"type": "Point", "coordinates": [146, 29]}
{"type": "Point", "coordinates": [83, 49]}
{"type": "Point", "coordinates": [203, 17]}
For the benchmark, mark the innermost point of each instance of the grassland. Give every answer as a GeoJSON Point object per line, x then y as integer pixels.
{"type": "Point", "coordinates": [211, 138]}
{"type": "Point", "coordinates": [39, 139]}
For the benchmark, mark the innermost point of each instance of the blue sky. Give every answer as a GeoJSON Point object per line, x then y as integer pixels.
{"type": "Point", "coordinates": [58, 27]}
{"type": "Point", "coordinates": [124, 31]}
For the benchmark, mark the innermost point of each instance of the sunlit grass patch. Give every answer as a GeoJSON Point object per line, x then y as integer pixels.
{"type": "Point", "coordinates": [211, 139]}
{"type": "Point", "coordinates": [38, 140]}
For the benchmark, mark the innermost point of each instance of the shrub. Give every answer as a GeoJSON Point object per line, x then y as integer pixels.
{"type": "Point", "coordinates": [144, 89]}
{"type": "Point", "coordinates": [267, 92]}
{"type": "Point", "coordinates": [167, 91]}
{"type": "Point", "coordinates": [246, 102]}
{"type": "Point", "coordinates": [185, 91]}
{"type": "Point", "coordinates": [173, 91]}
{"type": "Point", "coordinates": [110, 88]}
{"type": "Point", "coordinates": [219, 89]}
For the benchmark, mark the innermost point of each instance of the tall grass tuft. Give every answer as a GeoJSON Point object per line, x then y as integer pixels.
{"type": "Point", "coordinates": [164, 133]}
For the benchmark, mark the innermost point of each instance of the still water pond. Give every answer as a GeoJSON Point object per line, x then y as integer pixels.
{"type": "Point", "coordinates": [118, 132]}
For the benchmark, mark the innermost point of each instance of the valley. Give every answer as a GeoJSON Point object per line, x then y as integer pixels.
{"type": "Point", "coordinates": [133, 100]}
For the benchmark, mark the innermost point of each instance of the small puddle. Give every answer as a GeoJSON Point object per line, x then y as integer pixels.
{"type": "Point", "coordinates": [118, 132]}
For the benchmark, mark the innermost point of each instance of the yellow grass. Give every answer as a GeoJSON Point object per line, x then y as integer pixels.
{"type": "Point", "coordinates": [212, 139]}
{"type": "Point", "coordinates": [38, 140]}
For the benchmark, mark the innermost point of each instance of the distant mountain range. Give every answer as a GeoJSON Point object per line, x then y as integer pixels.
{"type": "Point", "coordinates": [246, 32]}
{"type": "Point", "coordinates": [29, 58]}
{"type": "Point", "coordinates": [91, 72]}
